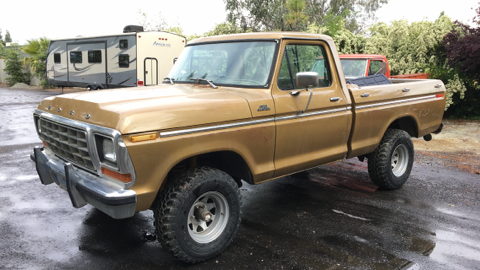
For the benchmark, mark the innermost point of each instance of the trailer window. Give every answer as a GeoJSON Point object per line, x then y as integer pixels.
{"type": "Point", "coordinates": [95, 56]}
{"type": "Point", "coordinates": [75, 57]}
{"type": "Point", "coordinates": [124, 60]}
{"type": "Point", "coordinates": [56, 58]}
{"type": "Point", "coordinates": [123, 44]}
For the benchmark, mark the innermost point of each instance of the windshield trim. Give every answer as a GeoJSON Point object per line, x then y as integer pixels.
{"type": "Point", "coordinates": [272, 67]}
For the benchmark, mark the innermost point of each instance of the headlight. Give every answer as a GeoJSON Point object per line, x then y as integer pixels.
{"type": "Point", "coordinates": [109, 150]}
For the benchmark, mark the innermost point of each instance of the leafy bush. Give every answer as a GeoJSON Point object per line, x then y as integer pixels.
{"type": "Point", "coordinates": [13, 67]}
{"type": "Point", "coordinates": [37, 51]}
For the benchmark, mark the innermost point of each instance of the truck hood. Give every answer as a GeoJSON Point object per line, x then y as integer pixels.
{"type": "Point", "coordinates": [133, 110]}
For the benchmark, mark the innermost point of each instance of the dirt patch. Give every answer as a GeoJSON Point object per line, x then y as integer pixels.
{"type": "Point", "coordinates": [458, 145]}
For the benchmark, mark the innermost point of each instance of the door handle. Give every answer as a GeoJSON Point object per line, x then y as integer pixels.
{"type": "Point", "coordinates": [438, 85]}
{"type": "Point", "coordinates": [406, 89]}
{"type": "Point", "coordinates": [365, 95]}
{"type": "Point", "coordinates": [333, 99]}
{"type": "Point", "coordinates": [294, 93]}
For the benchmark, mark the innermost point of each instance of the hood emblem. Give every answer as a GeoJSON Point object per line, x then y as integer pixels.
{"type": "Point", "coordinates": [87, 116]}
{"type": "Point", "coordinates": [72, 112]}
{"type": "Point", "coordinates": [59, 109]}
{"type": "Point", "coordinates": [263, 108]}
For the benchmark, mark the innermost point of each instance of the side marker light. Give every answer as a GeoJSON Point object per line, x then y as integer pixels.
{"type": "Point", "coordinates": [146, 137]}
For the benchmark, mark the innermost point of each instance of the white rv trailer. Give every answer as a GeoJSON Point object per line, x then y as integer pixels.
{"type": "Point", "coordinates": [134, 58]}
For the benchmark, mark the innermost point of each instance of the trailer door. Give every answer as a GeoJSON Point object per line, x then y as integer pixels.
{"type": "Point", "coordinates": [151, 71]}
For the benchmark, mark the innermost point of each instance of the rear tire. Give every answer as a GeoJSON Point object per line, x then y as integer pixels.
{"type": "Point", "coordinates": [391, 164]}
{"type": "Point", "coordinates": [178, 223]}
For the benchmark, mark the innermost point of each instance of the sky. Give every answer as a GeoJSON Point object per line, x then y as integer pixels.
{"type": "Point", "coordinates": [55, 19]}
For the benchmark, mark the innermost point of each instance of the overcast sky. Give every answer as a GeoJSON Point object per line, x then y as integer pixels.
{"type": "Point", "coordinates": [60, 19]}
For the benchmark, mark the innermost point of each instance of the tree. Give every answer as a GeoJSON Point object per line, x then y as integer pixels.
{"type": "Point", "coordinates": [37, 51]}
{"type": "Point", "coordinates": [224, 28]}
{"type": "Point", "coordinates": [269, 15]}
{"type": "Point", "coordinates": [13, 67]}
{"type": "Point", "coordinates": [149, 24]}
{"type": "Point", "coordinates": [175, 30]}
{"type": "Point", "coordinates": [1, 38]}
{"type": "Point", "coordinates": [2, 50]}
{"type": "Point", "coordinates": [460, 53]}
{"type": "Point", "coordinates": [7, 37]}
{"type": "Point", "coordinates": [462, 45]}
{"type": "Point", "coordinates": [296, 18]}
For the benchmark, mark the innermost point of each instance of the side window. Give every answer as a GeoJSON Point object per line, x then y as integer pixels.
{"type": "Point", "coordinates": [56, 58]}
{"type": "Point", "coordinates": [123, 44]}
{"type": "Point", "coordinates": [299, 58]}
{"type": "Point", "coordinates": [75, 57]}
{"type": "Point", "coordinates": [95, 56]}
{"type": "Point", "coordinates": [375, 68]}
{"type": "Point", "coordinates": [124, 60]}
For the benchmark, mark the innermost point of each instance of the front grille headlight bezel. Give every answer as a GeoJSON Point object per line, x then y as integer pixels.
{"type": "Point", "coordinates": [94, 133]}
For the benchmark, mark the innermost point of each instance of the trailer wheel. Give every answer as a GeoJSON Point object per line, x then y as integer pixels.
{"type": "Point", "coordinates": [390, 165]}
{"type": "Point", "coordinates": [198, 214]}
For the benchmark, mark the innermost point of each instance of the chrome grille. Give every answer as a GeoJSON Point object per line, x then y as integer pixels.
{"type": "Point", "coordinates": [67, 142]}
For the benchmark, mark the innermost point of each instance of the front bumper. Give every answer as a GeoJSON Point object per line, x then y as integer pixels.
{"type": "Point", "coordinates": [84, 187]}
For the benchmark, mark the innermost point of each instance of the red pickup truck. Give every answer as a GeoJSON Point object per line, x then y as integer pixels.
{"type": "Point", "coordinates": [362, 65]}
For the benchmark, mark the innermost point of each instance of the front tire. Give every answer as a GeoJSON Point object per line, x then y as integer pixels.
{"type": "Point", "coordinates": [391, 164]}
{"type": "Point", "coordinates": [198, 215]}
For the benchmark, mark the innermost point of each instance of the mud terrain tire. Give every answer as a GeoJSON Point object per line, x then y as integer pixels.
{"type": "Point", "coordinates": [191, 239]}
{"type": "Point", "coordinates": [389, 166]}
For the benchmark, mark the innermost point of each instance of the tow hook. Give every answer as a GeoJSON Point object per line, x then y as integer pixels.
{"type": "Point", "coordinates": [427, 137]}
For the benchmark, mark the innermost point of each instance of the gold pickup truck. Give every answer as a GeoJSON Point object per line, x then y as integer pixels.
{"type": "Point", "coordinates": [251, 107]}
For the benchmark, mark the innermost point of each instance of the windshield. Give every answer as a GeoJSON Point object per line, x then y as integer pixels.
{"type": "Point", "coordinates": [233, 63]}
{"type": "Point", "coordinates": [354, 68]}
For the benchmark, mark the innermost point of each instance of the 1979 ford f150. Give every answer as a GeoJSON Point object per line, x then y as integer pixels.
{"type": "Point", "coordinates": [239, 107]}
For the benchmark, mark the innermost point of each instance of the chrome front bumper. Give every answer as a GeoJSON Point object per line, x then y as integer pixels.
{"type": "Point", "coordinates": [84, 187]}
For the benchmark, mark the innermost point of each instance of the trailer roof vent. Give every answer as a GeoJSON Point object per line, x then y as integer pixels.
{"type": "Point", "coordinates": [132, 28]}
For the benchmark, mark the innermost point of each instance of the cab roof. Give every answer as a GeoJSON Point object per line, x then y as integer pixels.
{"type": "Point", "coordinates": [260, 35]}
{"type": "Point", "coordinates": [362, 56]}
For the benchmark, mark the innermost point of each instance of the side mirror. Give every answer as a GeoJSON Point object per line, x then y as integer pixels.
{"type": "Point", "coordinates": [382, 68]}
{"type": "Point", "coordinates": [307, 79]}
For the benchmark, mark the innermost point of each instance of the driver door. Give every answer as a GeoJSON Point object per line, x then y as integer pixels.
{"type": "Point", "coordinates": [318, 135]}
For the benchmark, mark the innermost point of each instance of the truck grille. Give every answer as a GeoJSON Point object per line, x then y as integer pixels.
{"type": "Point", "coordinates": [67, 142]}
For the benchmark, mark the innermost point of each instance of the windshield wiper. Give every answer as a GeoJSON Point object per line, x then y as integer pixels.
{"type": "Point", "coordinates": [170, 79]}
{"type": "Point", "coordinates": [208, 81]}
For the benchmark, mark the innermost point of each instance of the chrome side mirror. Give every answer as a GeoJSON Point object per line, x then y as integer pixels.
{"type": "Point", "coordinates": [307, 79]}
{"type": "Point", "coordinates": [382, 68]}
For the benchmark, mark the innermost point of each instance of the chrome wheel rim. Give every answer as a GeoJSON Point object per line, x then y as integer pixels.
{"type": "Point", "coordinates": [399, 160]}
{"type": "Point", "coordinates": [216, 205]}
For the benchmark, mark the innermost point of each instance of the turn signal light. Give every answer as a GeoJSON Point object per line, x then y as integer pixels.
{"type": "Point", "coordinates": [126, 178]}
{"type": "Point", "coordinates": [439, 95]}
{"type": "Point", "coordinates": [45, 144]}
{"type": "Point", "coordinates": [146, 137]}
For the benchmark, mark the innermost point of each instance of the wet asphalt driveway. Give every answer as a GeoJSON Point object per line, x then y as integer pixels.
{"type": "Point", "coordinates": [331, 217]}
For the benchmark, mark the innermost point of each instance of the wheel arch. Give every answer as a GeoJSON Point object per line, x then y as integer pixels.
{"type": "Point", "coordinates": [227, 161]}
{"type": "Point", "coordinates": [407, 123]}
